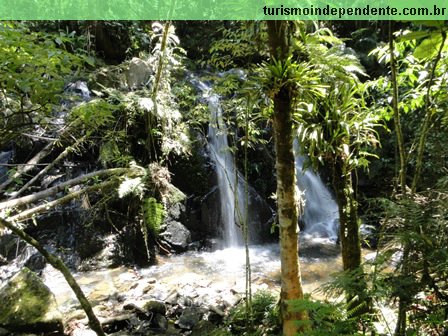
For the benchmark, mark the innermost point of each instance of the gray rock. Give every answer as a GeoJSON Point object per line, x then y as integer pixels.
{"type": "Point", "coordinates": [176, 235]}
{"type": "Point", "coordinates": [4, 332]}
{"type": "Point", "coordinates": [203, 328]}
{"type": "Point", "coordinates": [138, 73]}
{"type": "Point", "coordinates": [28, 305]}
{"type": "Point", "coordinates": [156, 307]}
{"type": "Point", "coordinates": [160, 322]}
{"type": "Point", "coordinates": [190, 317]}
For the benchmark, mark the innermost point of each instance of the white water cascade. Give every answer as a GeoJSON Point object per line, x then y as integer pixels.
{"type": "Point", "coordinates": [231, 183]}
{"type": "Point", "coordinates": [321, 216]}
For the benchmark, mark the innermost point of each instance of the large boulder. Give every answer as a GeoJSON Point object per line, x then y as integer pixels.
{"type": "Point", "coordinates": [27, 305]}
{"type": "Point", "coordinates": [176, 236]}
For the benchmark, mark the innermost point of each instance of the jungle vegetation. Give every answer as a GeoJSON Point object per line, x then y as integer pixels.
{"type": "Point", "coordinates": [367, 100]}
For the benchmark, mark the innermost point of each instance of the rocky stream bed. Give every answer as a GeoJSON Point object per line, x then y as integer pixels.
{"type": "Point", "coordinates": [184, 294]}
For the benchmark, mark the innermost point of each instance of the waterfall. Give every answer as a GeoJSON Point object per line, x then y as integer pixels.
{"type": "Point", "coordinates": [321, 216]}
{"type": "Point", "coordinates": [231, 183]}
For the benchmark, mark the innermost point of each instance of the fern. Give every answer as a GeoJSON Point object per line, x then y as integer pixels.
{"type": "Point", "coordinates": [130, 186]}
{"type": "Point", "coordinates": [325, 318]}
{"type": "Point", "coordinates": [153, 214]}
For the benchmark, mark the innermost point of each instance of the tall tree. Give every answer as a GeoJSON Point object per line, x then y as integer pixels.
{"type": "Point", "coordinates": [280, 34]}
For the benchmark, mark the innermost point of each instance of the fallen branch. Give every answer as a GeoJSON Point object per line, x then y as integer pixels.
{"type": "Point", "coordinates": [67, 151]}
{"type": "Point", "coordinates": [33, 211]}
{"type": "Point", "coordinates": [31, 163]}
{"type": "Point", "coordinates": [28, 166]}
{"type": "Point", "coordinates": [60, 187]}
{"type": "Point", "coordinates": [58, 264]}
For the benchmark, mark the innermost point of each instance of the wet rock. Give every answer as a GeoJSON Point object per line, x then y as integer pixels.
{"type": "Point", "coordinates": [116, 323]}
{"type": "Point", "coordinates": [10, 246]}
{"type": "Point", "coordinates": [160, 322]}
{"type": "Point", "coordinates": [210, 213]}
{"type": "Point", "coordinates": [4, 332]}
{"type": "Point", "coordinates": [176, 235]}
{"type": "Point", "coordinates": [155, 306]}
{"type": "Point", "coordinates": [231, 299]}
{"type": "Point", "coordinates": [79, 88]}
{"type": "Point", "coordinates": [190, 317]}
{"type": "Point", "coordinates": [176, 211]}
{"type": "Point", "coordinates": [203, 328]}
{"type": "Point", "coordinates": [369, 235]}
{"type": "Point", "coordinates": [36, 262]}
{"type": "Point", "coordinates": [5, 157]}
{"type": "Point", "coordinates": [28, 305]}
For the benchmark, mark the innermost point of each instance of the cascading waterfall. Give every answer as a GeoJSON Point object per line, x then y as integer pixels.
{"type": "Point", "coordinates": [321, 214]}
{"type": "Point", "coordinates": [231, 183]}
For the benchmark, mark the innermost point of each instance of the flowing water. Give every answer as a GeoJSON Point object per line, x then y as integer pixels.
{"type": "Point", "coordinates": [231, 185]}
{"type": "Point", "coordinates": [203, 276]}
{"type": "Point", "coordinates": [320, 215]}
{"type": "Point", "coordinates": [230, 182]}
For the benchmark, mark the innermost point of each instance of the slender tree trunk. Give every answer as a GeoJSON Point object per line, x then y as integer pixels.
{"type": "Point", "coordinates": [287, 197]}
{"type": "Point", "coordinates": [397, 121]}
{"type": "Point", "coordinates": [155, 89]}
{"type": "Point", "coordinates": [400, 327]}
{"type": "Point", "coordinates": [357, 298]}
{"type": "Point", "coordinates": [348, 218]}
{"type": "Point", "coordinates": [428, 118]}
{"type": "Point", "coordinates": [57, 263]}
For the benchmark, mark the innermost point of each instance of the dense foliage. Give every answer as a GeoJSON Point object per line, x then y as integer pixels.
{"type": "Point", "coordinates": [353, 92]}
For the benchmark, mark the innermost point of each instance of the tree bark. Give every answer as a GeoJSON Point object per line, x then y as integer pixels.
{"type": "Point", "coordinates": [58, 264]}
{"type": "Point", "coordinates": [397, 121]}
{"type": "Point", "coordinates": [348, 218]}
{"type": "Point", "coordinates": [287, 197]}
{"type": "Point", "coordinates": [358, 301]}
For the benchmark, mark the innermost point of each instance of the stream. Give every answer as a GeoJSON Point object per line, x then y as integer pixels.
{"type": "Point", "coordinates": [205, 278]}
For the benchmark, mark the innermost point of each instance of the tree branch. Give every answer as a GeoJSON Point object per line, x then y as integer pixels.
{"type": "Point", "coordinates": [58, 264]}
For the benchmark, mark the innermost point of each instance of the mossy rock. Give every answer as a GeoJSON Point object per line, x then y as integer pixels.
{"type": "Point", "coordinates": [28, 305]}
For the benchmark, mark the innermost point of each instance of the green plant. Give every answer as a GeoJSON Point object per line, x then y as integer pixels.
{"type": "Point", "coordinates": [34, 67]}
{"type": "Point", "coordinates": [153, 214]}
{"type": "Point", "coordinates": [326, 318]}
{"type": "Point", "coordinates": [265, 316]}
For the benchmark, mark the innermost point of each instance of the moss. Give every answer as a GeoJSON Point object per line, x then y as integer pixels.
{"type": "Point", "coordinates": [27, 302]}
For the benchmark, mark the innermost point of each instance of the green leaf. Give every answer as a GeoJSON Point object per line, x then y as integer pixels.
{"type": "Point", "coordinates": [429, 47]}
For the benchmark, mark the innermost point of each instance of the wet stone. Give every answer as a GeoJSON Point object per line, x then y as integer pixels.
{"type": "Point", "coordinates": [28, 305]}
{"type": "Point", "coordinates": [203, 328]}
{"type": "Point", "coordinates": [190, 317]}
{"type": "Point", "coordinates": [160, 322]}
{"type": "Point", "coordinates": [156, 307]}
